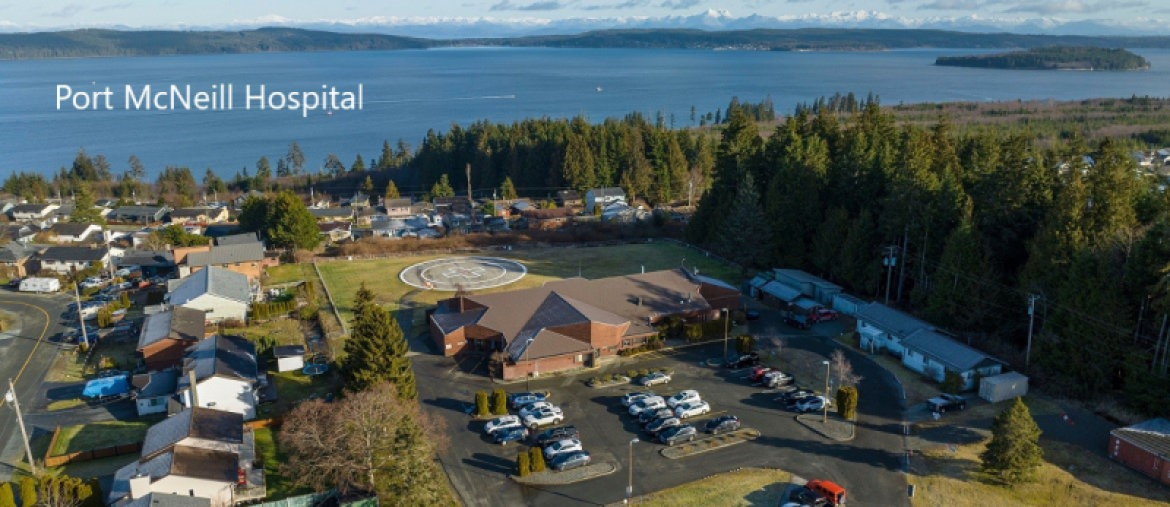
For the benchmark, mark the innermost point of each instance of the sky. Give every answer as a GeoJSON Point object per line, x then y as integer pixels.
{"type": "Point", "coordinates": [145, 13]}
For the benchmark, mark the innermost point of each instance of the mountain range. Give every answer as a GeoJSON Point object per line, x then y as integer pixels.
{"type": "Point", "coordinates": [496, 27]}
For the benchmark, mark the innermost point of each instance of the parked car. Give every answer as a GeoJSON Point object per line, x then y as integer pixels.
{"type": "Point", "coordinates": [102, 298]}
{"type": "Point", "coordinates": [828, 489]}
{"type": "Point", "coordinates": [945, 402]}
{"type": "Point", "coordinates": [517, 400]}
{"type": "Point", "coordinates": [790, 398]}
{"type": "Point", "coordinates": [659, 425]}
{"type": "Point", "coordinates": [805, 497]}
{"type": "Point", "coordinates": [649, 416]}
{"type": "Point", "coordinates": [551, 435]}
{"type": "Point", "coordinates": [644, 404]}
{"type": "Point", "coordinates": [561, 447]}
{"type": "Point", "coordinates": [570, 460]}
{"type": "Point", "coordinates": [123, 285]}
{"type": "Point", "coordinates": [544, 417]}
{"type": "Point", "coordinates": [692, 409]}
{"type": "Point", "coordinates": [654, 379]}
{"type": "Point", "coordinates": [502, 437]}
{"type": "Point", "coordinates": [722, 424]}
{"type": "Point", "coordinates": [813, 404]}
{"type": "Point", "coordinates": [531, 408]}
{"type": "Point", "coordinates": [825, 315]}
{"type": "Point", "coordinates": [743, 360]}
{"type": "Point", "coordinates": [753, 315]}
{"type": "Point", "coordinates": [91, 282]}
{"type": "Point", "coordinates": [14, 283]}
{"type": "Point", "coordinates": [501, 423]}
{"type": "Point", "coordinates": [797, 320]}
{"type": "Point", "coordinates": [127, 270]}
{"type": "Point", "coordinates": [758, 372]}
{"type": "Point", "coordinates": [688, 396]}
{"type": "Point", "coordinates": [775, 378]}
{"type": "Point", "coordinates": [630, 398]}
{"type": "Point", "coordinates": [684, 433]}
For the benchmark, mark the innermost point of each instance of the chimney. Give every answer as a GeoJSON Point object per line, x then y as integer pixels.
{"type": "Point", "coordinates": [639, 301]}
{"type": "Point", "coordinates": [139, 486]}
{"type": "Point", "coordinates": [194, 392]}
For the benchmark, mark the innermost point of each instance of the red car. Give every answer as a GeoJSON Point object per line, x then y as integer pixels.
{"type": "Point", "coordinates": [824, 315]}
{"type": "Point", "coordinates": [758, 372]}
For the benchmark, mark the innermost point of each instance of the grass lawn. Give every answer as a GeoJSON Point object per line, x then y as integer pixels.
{"type": "Point", "coordinates": [287, 273]}
{"type": "Point", "coordinates": [85, 437]}
{"type": "Point", "coordinates": [279, 487]}
{"type": "Point", "coordinates": [286, 331]}
{"type": "Point", "coordinates": [750, 486]}
{"type": "Point", "coordinates": [544, 265]}
{"type": "Point", "coordinates": [1070, 476]}
{"type": "Point", "coordinates": [65, 404]}
{"type": "Point", "coordinates": [294, 386]}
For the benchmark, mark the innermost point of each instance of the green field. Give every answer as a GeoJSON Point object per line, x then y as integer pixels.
{"type": "Point", "coordinates": [99, 435]}
{"type": "Point", "coordinates": [544, 265]}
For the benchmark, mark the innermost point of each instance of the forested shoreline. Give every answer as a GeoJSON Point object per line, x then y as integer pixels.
{"type": "Point", "coordinates": [1052, 58]}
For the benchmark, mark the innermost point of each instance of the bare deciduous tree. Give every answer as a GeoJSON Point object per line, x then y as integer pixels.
{"type": "Point", "coordinates": [771, 344]}
{"type": "Point", "coordinates": [843, 370]}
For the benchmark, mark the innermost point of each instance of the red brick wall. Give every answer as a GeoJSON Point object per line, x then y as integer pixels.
{"type": "Point", "coordinates": [543, 366]}
{"type": "Point", "coordinates": [456, 340]}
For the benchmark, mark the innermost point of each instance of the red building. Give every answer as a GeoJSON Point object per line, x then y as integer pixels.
{"type": "Point", "coordinates": [572, 323]}
{"type": "Point", "coordinates": [1144, 447]}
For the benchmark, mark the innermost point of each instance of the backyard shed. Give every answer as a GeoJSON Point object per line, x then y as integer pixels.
{"type": "Point", "coordinates": [812, 286]}
{"type": "Point", "coordinates": [1144, 447]}
{"type": "Point", "coordinates": [289, 357]}
{"type": "Point", "coordinates": [778, 294]}
{"type": "Point", "coordinates": [846, 304]}
{"type": "Point", "coordinates": [1003, 387]}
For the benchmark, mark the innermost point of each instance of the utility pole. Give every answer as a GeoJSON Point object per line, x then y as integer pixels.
{"type": "Point", "coordinates": [902, 269]}
{"type": "Point", "coordinates": [1031, 320]}
{"type": "Point", "coordinates": [889, 260]}
{"type": "Point", "coordinates": [80, 316]}
{"type": "Point", "coordinates": [1141, 314]}
{"type": "Point", "coordinates": [11, 398]}
{"type": "Point", "coordinates": [726, 330]}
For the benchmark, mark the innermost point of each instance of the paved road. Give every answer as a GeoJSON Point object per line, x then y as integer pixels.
{"type": "Point", "coordinates": [25, 357]}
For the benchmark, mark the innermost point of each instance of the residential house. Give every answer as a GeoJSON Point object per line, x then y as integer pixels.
{"type": "Point", "coordinates": [63, 213]}
{"type": "Point", "coordinates": [226, 375]}
{"type": "Point", "coordinates": [395, 228]}
{"type": "Point", "coordinates": [243, 238]}
{"type": "Point", "coordinates": [880, 327]}
{"type": "Point", "coordinates": [359, 200]}
{"type": "Point", "coordinates": [453, 205]}
{"type": "Point", "coordinates": [106, 203]}
{"type": "Point", "coordinates": [366, 215]}
{"type": "Point", "coordinates": [239, 201]}
{"type": "Point", "coordinates": [165, 336]}
{"type": "Point", "coordinates": [196, 453]}
{"type": "Point", "coordinates": [152, 262]}
{"type": "Point", "coordinates": [138, 214]}
{"type": "Point", "coordinates": [603, 197]}
{"type": "Point", "coordinates": [334, 232]}
{"type": "Point", "coordinates": [549, 219]}
{"type": "Point", "coordinates": [6, 205]}
{"type": "Point", "coordinates": [64, 260]}
{"type": "Point", "coordinates": [221, 293]}
{"type": "Point", "coordinates": [246, 258]}
{"type": "Point", "coordinates": [1144, 447]}
{"type": "Point", "coordinates": [496, 224]}
{"type": "Point", "coordinates": [220, 230]}
{"type": "Point", "coordinates": [399, 208]}
{"type": "Point", "coordinates": [153, 391]}
{"type": "Point", "coordinates": [574, 322]}
{"type": "Point", "coordinates": [14, 259]}
{"type": "Point", "coordinates": [201, 215]}
{"type": "Point", "coordinates": [32, 212]}
{"type": "Point", "coordinates": [934, 354]}
{"type": "Point", "coordinates": [21, 233]}
{"type": "Point", "coordinates": [64, 232]}
{"type": "Point", "coordinates": [569, 199]}
{"type": "Point", "coordinates": [332, 214]}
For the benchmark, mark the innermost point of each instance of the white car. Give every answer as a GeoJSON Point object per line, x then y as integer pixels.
{"type": "Point", "coordinates": [630, 398]}
{"type": "Point", "coordinates": [532, 408]}
{"type": "Point", "coordinates": [561, 447]}
{"type": "Point", "coordinates": [813, 403]}
{"type": "Point", "coordinates": [688, 396]}
{"type": "Point", "coordinates": [691, 409]}
{"type": "Point", "coordinates": [126, 270]}
{"type": "Point", "coordinates": [91, 282]}
{"type": "Point", "coordinates": [501, 423]}
{"type": "Point", "coordinates": [644, 404]}
{"type": "Point", "coordinates": [655, 379]}
{"type": "Point", "coordinates": [551, 415]}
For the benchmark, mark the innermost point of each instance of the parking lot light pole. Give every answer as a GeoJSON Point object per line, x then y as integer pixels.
{"type": "Point", "coordinates": [527, 359]}
{"type": "Point", "coordinates": [825, 418]}
{"type": "Point", "coordinates": [630, 485]}
{"type": "Point", "coordinates": [726, 328]}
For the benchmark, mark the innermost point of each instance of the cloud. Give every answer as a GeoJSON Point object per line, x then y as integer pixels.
{"type": "Point", "coordinates": [113, 7]}
{"type": "Point", "coordinates": [67, 11]}
{"type": "Point", "coordinates": [678, 5]}
{"type": "Point", "coordinates": [541, 5]}
{"type": "Point", "coordinates": [1059, 7]}
{"type": "Point", "coordinates": [628, 4]}
{"type": "Point", "coordinates": [953, 5]}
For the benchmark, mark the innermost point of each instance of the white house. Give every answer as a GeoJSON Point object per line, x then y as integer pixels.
{"type": "Point", "coordinates": [195, 453]}
{"type": "Point", "coordinates": [223, 294]}
{"type": "Point", "coordinates": [152, 391]}
{"type": "Point", "coordinates": [933, 354]}
{"type": "Point", "coordinates": [880, 327]}
{"type": "Point", "coordinates": [67, 259]}
{"type": "Point", "coordinates": [603, 197]}
{"type": "Point", "coordinates": [64, 232]}
{"type": "Point", "coordinates": [32, 212]}
{"type": "Point", "coordinates": [226, 375]}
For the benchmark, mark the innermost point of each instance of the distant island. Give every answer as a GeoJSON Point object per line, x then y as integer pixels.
{"type": "Point", "coordinates": [101, 42]}
{"type": "Point", "coordinates": [1052, 58]}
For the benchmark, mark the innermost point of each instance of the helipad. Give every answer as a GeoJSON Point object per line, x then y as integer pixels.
{"type": "Point", "coordinates": [468, 273]}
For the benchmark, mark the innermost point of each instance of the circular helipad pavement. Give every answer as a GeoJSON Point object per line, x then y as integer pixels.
{"type": "Point", "coordinates": [468, 273]}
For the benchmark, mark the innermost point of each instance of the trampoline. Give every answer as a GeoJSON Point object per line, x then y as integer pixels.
{"type": "Point", "coordinates": [313, 370]}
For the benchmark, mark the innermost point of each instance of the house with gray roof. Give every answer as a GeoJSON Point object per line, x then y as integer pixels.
{"type": "Point", "coordinates": [22, 233]}
{"type": "Point", "coordinates": [934, 354]}
{"type": "Point", "coordinates": [14, 259]}
{"type": "Point", "coordinates": [65, 260]}
{"type": "Point", "coordinates": [603, 197]}
{"type": "Point", "coordinates": [165, 336]}
{"type": "Point", "coordinates": [880, 327]}
{"type": "Point", "coordinates": [242, 254]}
{"type": "Point", "coordinates": [331, 214]}
{"type": "Point", "coordinates": [153, 391]}
{"type": "Point", "coordinates": [226, 375]}
{"type": "Point", "coordinates": [221, 293]}
{"type": "Point", "coordinates": [138, 214]}
{"type": "Point", "coordinates": [32, 212]}
{"type": "Point", "coordinates": [65, 232]}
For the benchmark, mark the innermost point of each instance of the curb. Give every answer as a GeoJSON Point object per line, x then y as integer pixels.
{"type": "Point", "coordinates": [740, 436]}
{"type": "Point", "coordinates": [543, 479]}
{"type": "Point", "coordinates": [820, 431]}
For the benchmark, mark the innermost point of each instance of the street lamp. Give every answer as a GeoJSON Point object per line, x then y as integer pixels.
{"type": "Point", "coordinates": [630, 485]}
{"type": "Point", "coordinates": [726, 328]}
{"type": "Point", "coordinates": [527, 355]}
{"type": "Point", "coordinates": [825, 418]}
{"type": "Point", "coordinates": [10, 397]}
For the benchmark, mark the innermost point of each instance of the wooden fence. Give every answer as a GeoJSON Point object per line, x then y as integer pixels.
{"type": "Point", "coordinates": [76, 457]}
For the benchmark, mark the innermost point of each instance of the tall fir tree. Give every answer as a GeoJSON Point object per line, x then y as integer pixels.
{"type": "Point", "coordinates": [376, 349]}
{"type": "Point", "coordinates": [508, 190]}
{"type": "Point", "coordinates": [84, 211]}
{"type": "Point", "coordinates": [391, 191]}
{"type": "Point", "coordinates": [745, 228]}
{"type": "Point", "coordinates": [1014, 452]}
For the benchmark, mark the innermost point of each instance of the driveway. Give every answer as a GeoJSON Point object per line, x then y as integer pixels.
{"type": "Point", "coordinates": [869, 466]}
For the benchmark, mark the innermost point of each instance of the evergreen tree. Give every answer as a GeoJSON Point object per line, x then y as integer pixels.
{"type": "Point", "coordinates": [296, 158]}
{"type": "Point", "coordinates": [84, 211]}
{"type": "Point", "coordinates": [442, 188]}
{"type": "Point", "coordinates": [368, 185]}
{"type": "Point", "coordinates": [577, 169]}
{"type": "Point", "coordinates": [954, 296]}
{"type": "Point", "coordinates": [291, 225]}
{"type": "Point", "coordinates": [1014, 451]}
{"type": "Point", "coordinates": [137, 170]}
{"type": "Point", "coordinates": [101, 167]}
{"type": "Point", "coordinates": [391, 191]}
{"type": "Point", "coordinates": [376, 349]}
{"type": "Point", "coordinates": [387, 158]}
{"type": "Point", "coordinates": [507, 190]}
{"type": "Point", "coordinates": [745, 229]}
{"type": "Point", "coordinates": [264, 174]}
{"type": "Point", "coordinates": [333, 165]}
{"type": "Point", "coordinates": [358, 164]}
{"type": "Point", "coordinates": [282, 169]}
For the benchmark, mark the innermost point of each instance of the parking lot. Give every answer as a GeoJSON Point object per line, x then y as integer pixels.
{"type": "Point", "coordinates": [868, 466]}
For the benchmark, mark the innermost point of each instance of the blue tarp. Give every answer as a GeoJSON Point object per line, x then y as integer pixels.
{"type": "Point", "coordinates": [109, 386]}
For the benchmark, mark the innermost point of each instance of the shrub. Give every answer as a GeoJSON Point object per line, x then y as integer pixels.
{"type": "Point", "coordinates": [499, 402]}
{"type": "Point", "coordinates": [847, 402]}
{"type": "Point", "coordinates": [693, 332]}
{"type": "Point", "coordinates": [654, 342]}
{"type": "Point", "coordinates": [631, 374]}
{"type": "Point", "coordinates": [643, 373]}
{"type": "Point", "coordinates": [522, 465]}
{"type": "Point", "coordinates": [481, 404]}
{"type": "Point", "coordinates": [594, 381]}
{"type": "Point", "coordinates": [536, 459]}
{"type": "Point", "coordinates": [745, 343]}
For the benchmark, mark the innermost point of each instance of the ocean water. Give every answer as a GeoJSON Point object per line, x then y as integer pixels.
{"type": "Point", "coordinates": [408, 92]}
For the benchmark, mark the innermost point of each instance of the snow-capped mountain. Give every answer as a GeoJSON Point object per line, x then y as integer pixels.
{"type": "Point", "coordinates": [480, 27]}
